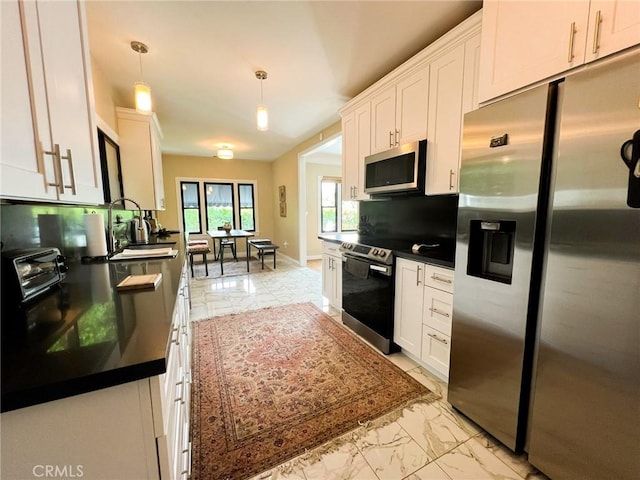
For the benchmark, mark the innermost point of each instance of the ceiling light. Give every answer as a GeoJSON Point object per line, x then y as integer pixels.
{"type": "Point", "coordinates": [141, 91]}
{"type": "Point", "coordinates": [262, 115]}
{"type": "Point", "coordinates": [224, 152]}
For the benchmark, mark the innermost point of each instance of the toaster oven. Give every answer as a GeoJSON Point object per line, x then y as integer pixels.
{"type": "Point", "coordinates": [26, 273]}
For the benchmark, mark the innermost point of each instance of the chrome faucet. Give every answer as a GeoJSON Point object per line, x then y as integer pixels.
{"type": "Point", "coordinates": [113, 244]}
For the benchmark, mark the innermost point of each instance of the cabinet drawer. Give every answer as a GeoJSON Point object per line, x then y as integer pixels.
{"type": "Point", "coordinates": [331, 249]}
{"type": "Point", "coordinates": [435, 350]}
{"type": "Point", "coordinates": [438, 277]}
{"type": "Point", "coordinates": [438, 308]}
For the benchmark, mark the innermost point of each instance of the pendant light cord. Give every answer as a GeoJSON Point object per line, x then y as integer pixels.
{"type": "Point", "coordinates": [141, 75]}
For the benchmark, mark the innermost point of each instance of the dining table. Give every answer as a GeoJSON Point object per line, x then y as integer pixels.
{"type": "Point", "coordinates": [221, 235]}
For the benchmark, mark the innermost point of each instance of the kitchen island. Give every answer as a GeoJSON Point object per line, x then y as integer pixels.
{"type": "Point", "coordinates": [95, 382]}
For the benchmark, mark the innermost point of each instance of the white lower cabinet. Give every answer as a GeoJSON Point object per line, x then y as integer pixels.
{"type": "Point", "coordinates": [332, 274]}
{"type": "Point", "coordinates": [423, 310]}
{"type": "Point", "coordinates": [407, 324]}
{"type": "Point", "coordinates": [138, 429]}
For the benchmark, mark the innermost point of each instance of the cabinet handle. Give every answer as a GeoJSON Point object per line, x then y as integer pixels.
{"type": "Point", "coordinates": [179, 388]}
{"type": "Point", "coordinates": [435, 337]}
{"type": "Point", "coordinates": [451, 174]}
{"type": "Point", "coordinates": [439, 312]}
{"type": "Point", "coordinates": [187, 471]}
{"type": "Point", "coordinates": [175, 339]}
{"type": "Point", "coordinates": [572, 37]}
{"type": "Point", "coordinates": [440, 279]}
{"type": "Point", "coordinates": [596, 33]}
{"type": "Point", "coordinates": [418, 276]}
{"type": "Point", "coordinates": [397, 136]}
{"type": "Point", "coordinates": [57, 168]}
{"type": "Point", "coordinates": [71, 172]}
{"type": "Point", "coordinates": [390, 138]}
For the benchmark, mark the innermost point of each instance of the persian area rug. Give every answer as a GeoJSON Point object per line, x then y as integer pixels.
{"type": "Point", "coordinates": [272, 383]}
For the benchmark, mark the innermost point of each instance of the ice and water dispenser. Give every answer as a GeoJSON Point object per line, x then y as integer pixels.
{"type": "Point", "coordinates": [491, 244]}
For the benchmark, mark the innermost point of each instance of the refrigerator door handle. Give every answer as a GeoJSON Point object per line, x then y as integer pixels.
{"type": "Point", "coordinates": [633, 161]}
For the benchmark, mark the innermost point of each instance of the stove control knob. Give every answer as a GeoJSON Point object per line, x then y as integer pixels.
{"type": "Point", "coordinates": [382, 253]}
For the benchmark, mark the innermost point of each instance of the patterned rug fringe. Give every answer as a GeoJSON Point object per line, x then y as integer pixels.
{"type": "Point", "coordinates": [315, 455]}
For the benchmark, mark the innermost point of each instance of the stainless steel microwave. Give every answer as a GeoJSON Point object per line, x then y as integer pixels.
{"type": "Point", "coordinates": [398, 170]}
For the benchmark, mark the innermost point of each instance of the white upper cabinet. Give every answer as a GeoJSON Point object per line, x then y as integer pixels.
{"type": "Point", "coordinates": [426, 97]}
{"type": "Point", "coordinates": [453, 91]}
{"type": "Point", "coordinates": [445, 121]}
{"type": "Point", "coordinates": [399, 111]}
{"type": "Point", "coordinates": [52, 90]}
{"type": "Point", "coordinates": [525, 42]}
{"type": "Point", "coordinates": [356, 144]}
{"type": "Point", "coordinates": [141, 158]}
{"type": "Point", "coordinates": [614, 26]}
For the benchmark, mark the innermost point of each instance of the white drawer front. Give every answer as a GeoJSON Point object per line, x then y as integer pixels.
{"type": "Point", "coordinates": [435, 350]}
{"type": "Point", "coordinates": [438, 308]}
{"type": "Point", "coordinates": [331, 248]}
{"type": "Point", "coordinates": [438, 277]}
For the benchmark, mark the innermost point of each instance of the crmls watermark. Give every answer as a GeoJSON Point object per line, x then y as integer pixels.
{"type": "Point", "coordinates": [58, 471]}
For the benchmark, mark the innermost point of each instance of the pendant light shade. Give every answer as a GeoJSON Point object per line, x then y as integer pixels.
{"type": "Point", "coordinates": [141, 91]}
{"type": "Point", "coordinates": [262, 118]}
{"type": "Point", "coordinates": [262, 114]}
{"type": "Point", "coordinates": [224, 152]}
{"type": "Point", "coordinates": [142, 94]}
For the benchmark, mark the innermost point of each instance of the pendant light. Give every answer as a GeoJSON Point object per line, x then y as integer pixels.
{"type": "Point", "coordinates": [262, 115]}
{"type": "Point", "coordinates": [224, 152]}
{"type": "Point", "coordinates": [141, 91]}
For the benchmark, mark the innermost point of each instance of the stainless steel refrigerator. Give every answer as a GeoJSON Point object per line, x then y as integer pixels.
{"type": "Point", "coordinates": [545, 348]}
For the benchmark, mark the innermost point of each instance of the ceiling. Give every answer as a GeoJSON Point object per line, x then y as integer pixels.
{"type": "Point", "coordinates": [203, 56]}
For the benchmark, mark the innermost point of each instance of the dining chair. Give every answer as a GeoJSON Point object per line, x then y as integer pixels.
{"type": "Point", "coordinates": [229, 243]}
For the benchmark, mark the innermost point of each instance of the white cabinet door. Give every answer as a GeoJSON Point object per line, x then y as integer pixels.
{"type": "Point", "coordinates": [470, 98]}
{"type": "Point", "coordinates": [613, 26]}
{"type": "Point", "coordinates": [63, 164]}
{"type": "Point", "coordinates": [141, 158]}
{"type": "Point", "coordinates": [65, 55]}
{"type": "Point", "coordinates": [22, 172]}
{"type": "Point", "coordinates": [383, 120]}
{"type": "Point", "coordinates": [407, 328]}
{"type": "Point", "coordinates": [444, 130]}
{"type": "Point", "coordinates": [523, 42]}
{"type": "Point", "coordinates": [332, 274]}
{"type": "Point", "coordinates": [399, 111]}
{"type": "Point", "coordinates": [349, 155]}
{"type": "Point", "coordinates": [411, 106]}
{"type": "Point", "coordinates": [356, 144]}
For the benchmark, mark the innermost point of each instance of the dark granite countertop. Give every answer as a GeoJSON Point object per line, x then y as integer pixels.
{"type": "Point", "coordinates": [443, 256]}
{"type": "Point", "coordinates": [84, 335]}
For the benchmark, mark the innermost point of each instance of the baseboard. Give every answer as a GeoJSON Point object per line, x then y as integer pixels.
{"type": "Point", "coordinates": [314, 257]}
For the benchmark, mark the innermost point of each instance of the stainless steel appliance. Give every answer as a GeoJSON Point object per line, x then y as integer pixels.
{"type": "Point", "coordinates": [546, 314]}
{"type": "Point", "coordinates": [367, 293]}
{"type": "Point", "coordinates": [398, 170]}
{"type": "Point", "coordinates": [27, 273]}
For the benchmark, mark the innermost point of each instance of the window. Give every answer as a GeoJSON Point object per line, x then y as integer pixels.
{"type": "Point", "coordinates": [247, 212]}
{"type": "Point", "coordinates": [329, 206]}
{"type": "Point", "coordinates": [336, 215]}
{"type": "Point", "coordinates": [219, 204]}
{"type": "Point", "coordinates": [224, 201]}
{"type": "Point", "coordinates": [190, 207]}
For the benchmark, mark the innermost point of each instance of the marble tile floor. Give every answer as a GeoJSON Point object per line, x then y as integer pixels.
{"type": "Point", "coordinates": [427, 441]}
